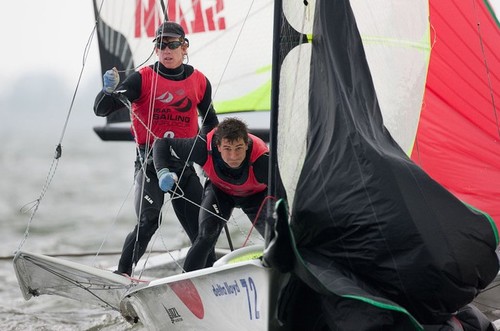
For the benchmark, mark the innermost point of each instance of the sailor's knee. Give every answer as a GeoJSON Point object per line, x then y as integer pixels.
{"type": "Point", "coordinates": [207, 237]}
{"type": "Point", "coordinates": [149, 222]}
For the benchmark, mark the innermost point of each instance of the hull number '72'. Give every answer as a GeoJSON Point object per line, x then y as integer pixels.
{"type": "Point", "coordinates": [251, 291]}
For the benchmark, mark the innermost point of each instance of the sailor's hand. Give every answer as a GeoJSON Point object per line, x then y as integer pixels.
{"type": "Point", "coordinates": [111, 79]}
{"type": "Point", "coordinates": [166, 179]}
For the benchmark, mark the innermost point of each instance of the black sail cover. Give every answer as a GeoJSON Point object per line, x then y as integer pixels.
{"type": "Point", "coordinates": [377, 240]}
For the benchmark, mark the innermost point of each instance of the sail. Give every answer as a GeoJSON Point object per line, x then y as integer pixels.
{"type": "Point", "coordinates": [223, 35]}
{"type": "Point", "coordinates": [40, 274]}
{"type": "Point", "coordinates": [373, 235]}
{"type": "Point", "coordinates": [458, 138]}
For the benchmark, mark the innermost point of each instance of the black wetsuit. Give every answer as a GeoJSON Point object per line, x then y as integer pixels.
{"type": "Point", "coordinates": [215, 201]}
{"type": "Point", "coordinates": [148, 196]}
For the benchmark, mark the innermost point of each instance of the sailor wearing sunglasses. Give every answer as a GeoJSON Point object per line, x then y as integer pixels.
{"type": "Point", "coordinates": [164, 100]}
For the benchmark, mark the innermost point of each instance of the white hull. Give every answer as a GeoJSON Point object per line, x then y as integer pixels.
{"type": "Point", "coordinates": [229, 296]}
{"type": "Point", "coordinates": [238, 296]}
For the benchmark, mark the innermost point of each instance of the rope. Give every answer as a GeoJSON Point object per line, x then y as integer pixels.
{"type": "Point", "coordinates": [486, 68]}
{"type": "Point", "coordinates": [257, 218]}
{"type": "Point", "coordinates": [35, 204]}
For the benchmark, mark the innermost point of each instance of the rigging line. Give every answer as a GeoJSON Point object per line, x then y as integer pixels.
{"type": "Point", "coordinates": [113, 224]}
{"type": "Point", "coordinates": [243, 232]}
{"type": "Point", "coordinates": [486, 67]}
{"type": "Point", "coordinates": [148, 154]}
{"type": "Point", "coordinates": [206, 113]}
{"type": "Point", "coordinates": [127, 104]}
{"type": "Point", "coordinates": [143, 162]}
{"type": "Point", "coordinates": [180, 195]}
{"type": "Point", "coordinates": [217, 87]}
{"type": "Point", "coordinates": [158, 230]}
{"type": "Point", "coordinates": [148, 20]}
{"type": "Point", "coordinates": [80, 285]}
{"type": "Point", "coordinates": [143, 158]}
{"type": "Point", "coordinates": [168, 251]}
{"type": "Point", "coordinates": [36, 203]}
{"type": "Point", "coordinates": [58, 152]}
{"type": "Point", "coordinates": [416, 144]}
{"type": "Point", "coordinates": [125, 70]}
{"type": "Point", "coordinates": [226, 228]}
{"type": "Point", "coordinates": [129, 107]}
{"type": "Point", "coordinates": [233, 48]}
{"type": "Point", "coordinates": [177, 196]}
{"type": "Point", "coordinates": [84, 254]}
{"type": "Point", "coordinates": [233, 26]}
{"type": "Point", "coordinates": [134, 265]}
{"type": "Point", "coordinates": [149, 132]}
{"type": "Point", "coordinates": [146, 158]}
{"type": "Point", "coordinates": [257, 217]}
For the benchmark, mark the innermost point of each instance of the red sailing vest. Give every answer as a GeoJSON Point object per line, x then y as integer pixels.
{"type": "Point", "coordinates": [168, 110]}
{"type": "Point", "coordinates": [251, 186]}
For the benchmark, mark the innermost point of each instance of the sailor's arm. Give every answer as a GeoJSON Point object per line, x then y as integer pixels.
{"type": "Point", "coordinates": [173, 153]}
{"type": "Point", "coordinates": [261, 168]}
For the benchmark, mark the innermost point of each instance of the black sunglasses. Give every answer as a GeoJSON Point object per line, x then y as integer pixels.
{"type": "Point", "coordinates": [171, 45]}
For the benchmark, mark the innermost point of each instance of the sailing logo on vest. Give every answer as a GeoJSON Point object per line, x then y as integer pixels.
{"type": "Point", "coordinates": [165, 97]}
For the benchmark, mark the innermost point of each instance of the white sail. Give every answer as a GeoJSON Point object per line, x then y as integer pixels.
{"type": "Point", "coordinates": [396, 40]}
{"type": "Point", "coordinates": [40, 274]}
{"type": "Point", "coordinates": [230, 42]}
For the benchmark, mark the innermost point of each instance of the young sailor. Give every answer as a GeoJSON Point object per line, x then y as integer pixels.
{"type": "Point", "coordinates": [165, 100]}
{"type": "Point", "coordinates": [236, 164]}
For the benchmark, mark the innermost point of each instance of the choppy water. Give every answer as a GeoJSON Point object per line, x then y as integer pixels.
{"type": "Point", "coordinates": [79, 211]}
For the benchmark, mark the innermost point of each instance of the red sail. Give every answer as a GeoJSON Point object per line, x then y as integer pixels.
{"type": "Point", "coordinates": [458, 139]}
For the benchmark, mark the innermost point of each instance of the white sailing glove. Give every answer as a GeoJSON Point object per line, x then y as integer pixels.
{"type": "Point", "coordinates": [111, 79]}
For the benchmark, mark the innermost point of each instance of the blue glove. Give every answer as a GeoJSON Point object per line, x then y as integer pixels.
{"type": "Point", "coordinates": [111, 79]}
{"type": "Point", "coordinates": [166, 179]}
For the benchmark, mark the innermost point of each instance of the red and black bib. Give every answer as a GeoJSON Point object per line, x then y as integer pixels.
{"type": "Point", "coordinates": [251, 185]}
{"type": "Point", "coordinates": [167, 108]}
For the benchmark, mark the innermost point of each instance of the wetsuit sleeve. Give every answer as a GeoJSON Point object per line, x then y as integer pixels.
{"type": "Point", "coordinates": [207, 111]}
{"type": "Point", "coordinates": [124, 95]}
{"type": "Point", "coordinates": [173, 153]}
{"type": "Point", "coordinates": [261, 168]}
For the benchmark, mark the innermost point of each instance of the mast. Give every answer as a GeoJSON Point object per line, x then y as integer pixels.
{"type": "Point", "coordinates": [273, 164]}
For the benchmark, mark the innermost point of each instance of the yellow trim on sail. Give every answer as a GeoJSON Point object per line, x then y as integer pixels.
{"type": "Point", "coordinates": [258, 100]}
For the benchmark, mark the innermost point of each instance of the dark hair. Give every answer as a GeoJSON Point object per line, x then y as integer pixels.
{"type": "Point", "coordinates": [232, 129]}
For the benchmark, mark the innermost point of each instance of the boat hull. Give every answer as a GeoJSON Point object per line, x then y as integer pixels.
{"type": "Point", "coordinates": [239, 296]}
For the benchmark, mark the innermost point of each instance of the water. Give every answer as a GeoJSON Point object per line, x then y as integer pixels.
{"type": "Point", "coordinates": [79, 211]}
{"type": "Point", "coordinates": [88, 204]}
